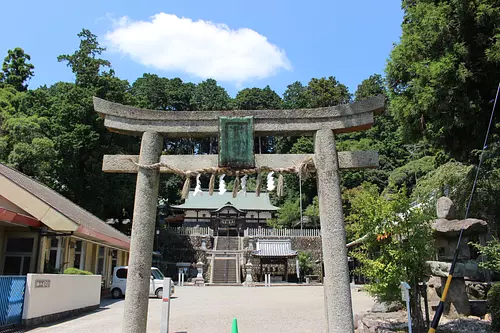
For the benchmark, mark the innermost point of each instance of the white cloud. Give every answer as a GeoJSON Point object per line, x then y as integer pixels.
{"type": "Point", "coordinates": [202, 48]}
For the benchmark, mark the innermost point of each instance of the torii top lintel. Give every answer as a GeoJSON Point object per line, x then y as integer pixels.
{"type": "Point", "coordinates": [341, 118]}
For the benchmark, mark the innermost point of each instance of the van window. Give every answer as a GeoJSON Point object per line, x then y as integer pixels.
{"type": "Point", "coordinates": [157, 274]}
{"type": "Point", "coordinates": [121, 273]}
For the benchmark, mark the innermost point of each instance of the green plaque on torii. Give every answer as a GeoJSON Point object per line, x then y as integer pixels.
{"type": "Point", "coordinates": [236, 142]}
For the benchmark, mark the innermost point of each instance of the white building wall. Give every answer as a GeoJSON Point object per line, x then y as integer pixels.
{"type": "Point", "coordinates": [65, 292]}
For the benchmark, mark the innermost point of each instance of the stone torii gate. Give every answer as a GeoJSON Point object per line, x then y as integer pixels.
{"type": "Point", "coordinates": [322, 123]}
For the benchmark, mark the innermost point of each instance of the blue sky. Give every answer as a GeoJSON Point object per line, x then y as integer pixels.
{"type": "Point", "coordinates": [262, 43]}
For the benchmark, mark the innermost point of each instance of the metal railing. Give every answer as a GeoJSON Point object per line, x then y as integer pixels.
{"type": "Point", "coordinates": [11, 299]}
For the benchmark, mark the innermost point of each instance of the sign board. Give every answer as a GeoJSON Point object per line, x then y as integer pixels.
{"type": "Point", "coordinates": [236, 142]}
{"type": "Point", "coordinates": [42, 283]}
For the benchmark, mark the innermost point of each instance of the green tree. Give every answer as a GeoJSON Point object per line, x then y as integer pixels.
{"type": "Point", "coordinates": [257, 99]}
{"type": "Point", "coordinates": [305, 263]}
{"type": "Point", "coordinates": [443, 74]}
{"type": "Point", "coordinates": [84, 62]}
{"type": "Point", "coordinates": [372, 86]}
{"type": "Point", "coordinates": [312, 211]}
{"type": "Point", "coordinates": [326, 92]}
{"type": "Point", "coordinates": [295, 97]}
{"type": "Point", "coordinates": [209, 96]}
{"type": "Point", "coordinates": [399, 242]}
{"type": "Point", "coordinates": [16, 69]}
{"type": "Point", "coordinates": [288, 215]}
{"type": "Point", "coordinates": [491, 251]}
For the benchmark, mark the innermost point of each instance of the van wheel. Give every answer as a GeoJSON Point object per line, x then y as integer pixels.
{"type": "Point", "coordinates": [159, 293]}
{"type": "Point", "coordinates": [116, 293]}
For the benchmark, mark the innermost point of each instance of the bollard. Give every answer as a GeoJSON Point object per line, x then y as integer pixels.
{"type": "Point", "coordinates": [235, 326]}
{"type": "Point", "coordinates": [165, 307]}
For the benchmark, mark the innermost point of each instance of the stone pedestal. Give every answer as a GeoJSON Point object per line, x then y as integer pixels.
{"type": "Point", "coordinates": [337, 289]}
{"type": "Point", "coordinates": [199, 281]}
{"type": "Point", "coordinates": [457, 301]}
{"type": "Point", "coordinates": [249, 280]}
{"type": "Point", "coordinates": [142, 238]}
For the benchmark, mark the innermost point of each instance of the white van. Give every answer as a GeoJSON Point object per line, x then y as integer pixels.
{"type": "Point", "coordinates": [119, 282]}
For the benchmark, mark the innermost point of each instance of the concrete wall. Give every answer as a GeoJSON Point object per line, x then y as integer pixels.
{"type": "Point", "coordinates": [65, 294]}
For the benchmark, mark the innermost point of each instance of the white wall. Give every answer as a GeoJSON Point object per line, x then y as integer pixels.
{"type": "Point", "coordinates": [261, 215]}
{"type": "Point", "coordinates": [66, 292]}
{"type": "Point", "coordinates": [192, 214]}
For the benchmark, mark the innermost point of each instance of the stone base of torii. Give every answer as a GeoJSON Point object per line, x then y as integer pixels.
{"type": "Point", "coordinates": [322, 123]}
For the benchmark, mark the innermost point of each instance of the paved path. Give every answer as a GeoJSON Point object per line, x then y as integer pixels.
{"type": "Point", "coordinates": [212, 309]}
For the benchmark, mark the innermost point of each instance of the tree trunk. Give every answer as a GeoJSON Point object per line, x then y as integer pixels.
{"type": "Point", "coordinates": [416, 310]}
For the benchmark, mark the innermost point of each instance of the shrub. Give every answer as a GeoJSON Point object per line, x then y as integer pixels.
{"type": "Point", "coordinates": [76, 271]}
{"type": "Point", "coordinates": [494, 306]}
{"type": "Point", "coordinates": [305, 263]}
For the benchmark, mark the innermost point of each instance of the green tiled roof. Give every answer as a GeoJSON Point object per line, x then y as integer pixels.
{"type": "Point", "coordinates": [242, 202]}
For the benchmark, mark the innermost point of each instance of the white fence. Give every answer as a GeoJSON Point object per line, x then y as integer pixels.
{"type": "Point", "coordinates": [192, 231]}
{"type": "Point", "coordinates": [258, 232]}
{"type": "Point", "coordinates": [251, 232]}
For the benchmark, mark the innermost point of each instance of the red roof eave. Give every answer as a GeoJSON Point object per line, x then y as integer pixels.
{"type": "Point", "coordinates": [20, 219]}
{"type": "Point", "coordinates": [107, 239]}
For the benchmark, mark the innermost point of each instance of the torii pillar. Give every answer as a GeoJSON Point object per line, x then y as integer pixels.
{"type": "Point", "coordinates": [322, 123]}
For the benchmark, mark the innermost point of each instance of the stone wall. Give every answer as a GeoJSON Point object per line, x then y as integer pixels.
{"type": "Point", "coordinates": [177, 248]}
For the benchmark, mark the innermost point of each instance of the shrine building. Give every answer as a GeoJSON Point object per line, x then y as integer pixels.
{"type": "Point", "coordinates": [227, 216]}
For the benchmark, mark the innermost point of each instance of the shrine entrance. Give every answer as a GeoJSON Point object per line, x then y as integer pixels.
{"type": "Point", "coordinates": [236, 131]}
{"type": "Point", "coordinates": [228, 221]}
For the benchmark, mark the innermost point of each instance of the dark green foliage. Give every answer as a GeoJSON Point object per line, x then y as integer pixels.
{"type": "Point", "coordinates": [84, 62]}
{"type": "Point", "coordinates": [76, 271]}
{"type": "Point", "coordinates": [16, 69]}
{"type": "Point", "coordinates": [491, 251]}
{"type": "Point", "coordinates": [444, 73]}
{"type": "Point", "coordinates": [494, 306]}
{"type": "Point", "coordinates": [208, 96]}
{"type": "Point", "coordinates": [257, 99]}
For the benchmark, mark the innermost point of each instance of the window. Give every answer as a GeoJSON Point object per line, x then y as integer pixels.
{"type": "Point", "coordinates": [157, 274]}
{"type": "Point", "coordinates": [54, 253]}
{"type": "Point", "coordinates": [101, 261]}
{"type": "Point", "coordinates": [121, 273]}
{"type": "Point", "coordinates": [79, 255]}
{"type": "Point", "coordinates": [24, 245]}
{"type": "Point", "coordinates": [114, 259]}
{"type": "Point", "coordinates": [18, 252]}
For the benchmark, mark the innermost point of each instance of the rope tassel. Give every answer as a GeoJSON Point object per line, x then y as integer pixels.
{"type": "Point", "coordinates": [236, 185]}
{"type": "Point", "coordinates": [211, 185]}
{"type": "Point", "coordinates": [186, 187]}
{"type": "Point", "coordinates": [258, 183]}
{"type": "Point", "coordinates": [281, 186]}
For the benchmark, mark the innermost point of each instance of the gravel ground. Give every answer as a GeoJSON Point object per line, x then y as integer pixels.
{"type": "Point", "coordinates": [212, 309]}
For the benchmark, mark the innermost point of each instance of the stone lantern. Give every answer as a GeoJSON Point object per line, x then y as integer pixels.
{"type": "Point", "coordinates": [249, 280]}
{"type": "Point", "coordinates": [199, 281]}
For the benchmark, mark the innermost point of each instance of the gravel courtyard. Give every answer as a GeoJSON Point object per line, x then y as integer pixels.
{"type": "Point", "coordinates": [212, 309]}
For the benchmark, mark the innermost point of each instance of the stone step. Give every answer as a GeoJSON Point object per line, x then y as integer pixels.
{"type": "Point", "coordinates": [224, 270]}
